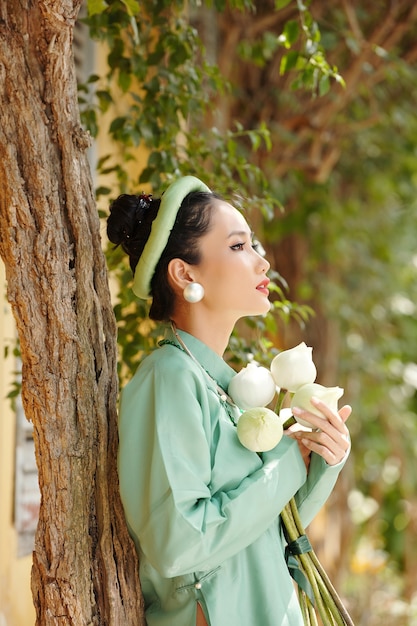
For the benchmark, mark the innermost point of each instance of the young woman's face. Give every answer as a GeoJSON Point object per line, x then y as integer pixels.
{"type": "Point", "coordinates": [231, 271]}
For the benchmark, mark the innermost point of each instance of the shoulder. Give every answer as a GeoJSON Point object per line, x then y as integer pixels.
{"type": "Point", "coordinates": [168, 366]}
{"type": "Point", "coordinates": [167, 382]}
{"type": "Point", "coordinates": [165, 358]}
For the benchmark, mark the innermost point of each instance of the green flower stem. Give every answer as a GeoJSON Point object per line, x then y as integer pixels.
{"type": "Point", "coordinates": [320, 603]}
{"type": "Point", "coordinates": [325, 603]}
{"type": "Point", "coordinates": [312, 614]}
{"type": "Point", "coordinates": [304, 608]}
{"type": "Point", "coordinates": [278, 406]}
{"type": "Point", "coordinates": [329, 602]}
{"type": "Point", "coordinates": [335, 598]}
{"type": "Point", "coordinates": [288, 519]}
{"type": "Point", "coordinates": [289, 422]}
{"type": "Point", "coordinates": [280, 400]}
{"type": "Point", "coordinates": [329, 605]}
{"type": "Point", "coordinates": [296, 516]}
{"type": "Point", "coordinates": [293, 534]}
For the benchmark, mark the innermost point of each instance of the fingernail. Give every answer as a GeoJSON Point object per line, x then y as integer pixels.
{"type": "Point", "coordinates": [315, 400]}
{"type": "Point", "coordinates": [296, 410]}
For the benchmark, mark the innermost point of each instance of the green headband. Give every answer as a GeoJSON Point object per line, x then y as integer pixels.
{"type": "Point", "coordinates": [160, 231]}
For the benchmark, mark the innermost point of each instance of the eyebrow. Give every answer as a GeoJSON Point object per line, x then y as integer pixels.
{"type": "Point", "coordinates": [241, 233]}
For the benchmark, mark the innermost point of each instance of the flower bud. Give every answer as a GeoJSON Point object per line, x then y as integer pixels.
{"type": "Point", "coordinates": [252, 387]}
{"type": "Point", "coordinates": [293, 368]}
{"type": "Point", "coordinates": [303, 395]}
{"type": "Point", "coordinates": [259, 429]}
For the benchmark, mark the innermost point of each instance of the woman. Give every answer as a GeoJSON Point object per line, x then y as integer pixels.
{"type": "Point", "coordinates": [204, 512]}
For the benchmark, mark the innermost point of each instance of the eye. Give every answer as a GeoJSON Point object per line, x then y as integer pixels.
{"type": "Point", "coordinates": [258, 247]}
{"type": "Point", "coordinates": [237, 246]}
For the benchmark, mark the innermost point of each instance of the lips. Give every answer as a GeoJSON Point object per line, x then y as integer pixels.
{"type": "Point", "coordinates": [263, 286]}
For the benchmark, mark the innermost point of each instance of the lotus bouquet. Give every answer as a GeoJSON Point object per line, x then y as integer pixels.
{"type": "Point", "coordinates": [290, 379]}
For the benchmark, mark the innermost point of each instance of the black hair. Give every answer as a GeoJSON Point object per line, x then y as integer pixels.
{"type": "Point", "coordinates": [129, 225]}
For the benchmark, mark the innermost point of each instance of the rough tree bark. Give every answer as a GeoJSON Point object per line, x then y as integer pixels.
{"type": "Point", "coordinates": [84, 565]}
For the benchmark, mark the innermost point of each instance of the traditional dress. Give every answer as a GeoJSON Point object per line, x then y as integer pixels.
{"type": "Point", "coordinates": [204, 511]}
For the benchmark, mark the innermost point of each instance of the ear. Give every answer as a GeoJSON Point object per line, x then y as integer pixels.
{"type": "Point", "coordinates": [180, 274]}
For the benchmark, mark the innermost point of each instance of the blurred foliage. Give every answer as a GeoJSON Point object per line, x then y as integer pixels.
{"type": "Point", "coordinates": [360, 275]}
{"type": "Point", "coordinates": [361, 272]}
{"type": "Point", "coordinates": [365, 232]}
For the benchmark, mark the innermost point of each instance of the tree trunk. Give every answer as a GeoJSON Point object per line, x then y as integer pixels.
{"type": "Point", "coordinates": [85, 570]}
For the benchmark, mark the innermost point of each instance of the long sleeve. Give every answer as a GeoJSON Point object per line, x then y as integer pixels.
{"type": "Point", "coordinates": [319, 485]}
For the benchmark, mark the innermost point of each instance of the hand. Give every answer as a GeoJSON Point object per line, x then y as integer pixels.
{"type": "Point", "coordinates": [330, 439]}
{"type": "Point", "coordinates": [295, 432]}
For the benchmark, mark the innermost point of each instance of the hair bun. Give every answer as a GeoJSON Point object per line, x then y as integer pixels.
{"type": "Point", "coordinates": [143, 202]}
{"type": "Point", "coordinates": [127, 212]}
{"type": "Point", "coordinates": [129, 223]}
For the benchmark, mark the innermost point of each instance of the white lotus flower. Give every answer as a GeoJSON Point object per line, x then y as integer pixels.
{"type": "Point", "coordinates": [252, 387]}
{"type": "Point", "coordinates": [302, 399]}
{"type": "Point", "coordinates": [259, 429]}
{"type": "Point", "coordinates": [293, 368]}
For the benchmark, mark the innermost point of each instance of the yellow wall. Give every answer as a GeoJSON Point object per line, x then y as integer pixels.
{"type": "Point", "coordinates": [16, 607]}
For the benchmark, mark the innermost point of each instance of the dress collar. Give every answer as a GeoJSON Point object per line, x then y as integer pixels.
{"type": "Point", "coordinates": [209, 360]}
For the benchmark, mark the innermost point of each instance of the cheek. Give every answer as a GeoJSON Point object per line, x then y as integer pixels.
{"type": "Point", "coordinates": [212, 270]}
{"type": "Point", "coordinates": [225, 275]}
{"type": "Point", "coordinates": [219, 281]}
{"type": "Point", "coordinates": [231, 285]}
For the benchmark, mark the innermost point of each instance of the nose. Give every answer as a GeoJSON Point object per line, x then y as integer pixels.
{"type": "Point", "coordinates": [267, 265]}
{"type": "Point", "coordinates": [264, 265]}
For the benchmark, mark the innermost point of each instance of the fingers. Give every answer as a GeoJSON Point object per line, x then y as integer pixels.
{"type": "Point", "coordinates": [332, 452]}
{"type": "Point", "coordinates": [336, 419]}
{"type": "Point", "coordinates": [330, 415]}
{"type": "Point", "coordinates": [330, 437]}
{"type": "Point", "coordinates": [345, 412]}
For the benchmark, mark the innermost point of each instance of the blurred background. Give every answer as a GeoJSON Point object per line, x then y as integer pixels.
{"type": "Point", "coordinates": [304, 116]}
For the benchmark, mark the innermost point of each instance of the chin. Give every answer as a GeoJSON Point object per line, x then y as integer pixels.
{"type": "Point", "coordinates": [261, 310]}
{"type": "Point", "coordinates": [265, 310]}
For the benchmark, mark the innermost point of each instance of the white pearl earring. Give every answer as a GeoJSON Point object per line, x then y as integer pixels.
{"type": "Point", "coordinates": [193, 292]}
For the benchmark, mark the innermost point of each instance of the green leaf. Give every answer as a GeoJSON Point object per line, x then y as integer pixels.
{"type": "Point", "coordinates": [132, 6]}
{"type": "Point", "coordinates": [105, 100]}
{"type": "Point", "coordinates": [324, 85]}
{"type": "Point", "coordinates": [117, 124]}
{"type": "Point", "coordinates": [125, 80]}
{"type": "Point", "coordinates": [281, 4]}
{"type": "Point", "coordinates": [289, 61]}
{"type": "Point", "coordinates": [291, 32]}
{"type": "Point", "coordinates": [95, 7]}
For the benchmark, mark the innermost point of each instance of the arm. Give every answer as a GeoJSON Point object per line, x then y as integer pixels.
{"type": "Point", "coordinates": [182, 521]}
{"type": "Point", "coordinates": [316, 490]}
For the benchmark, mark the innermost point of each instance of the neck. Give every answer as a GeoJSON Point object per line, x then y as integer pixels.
{"type": "Point", "coordinates": [215, 335]}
